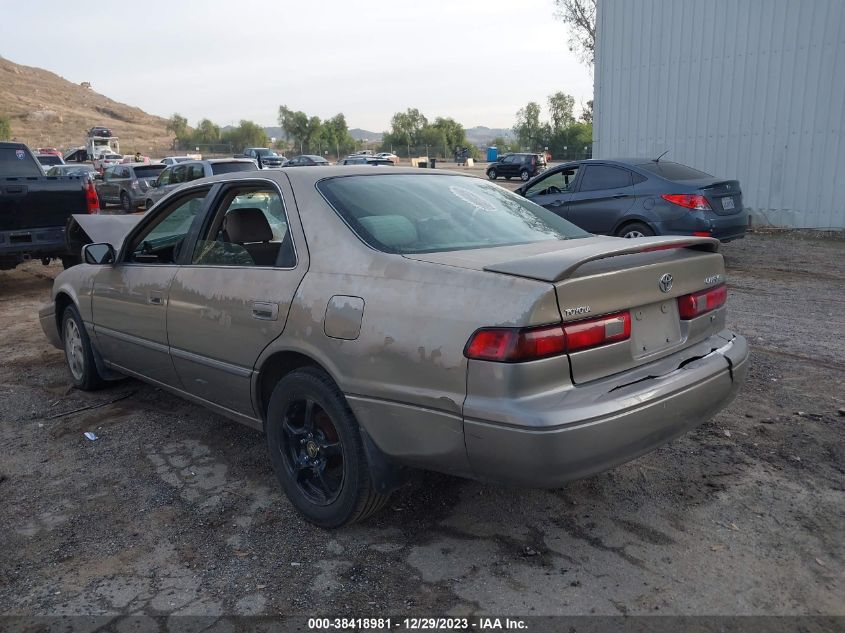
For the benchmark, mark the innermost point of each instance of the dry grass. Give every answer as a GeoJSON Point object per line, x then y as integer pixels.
{"type": "Point", "coordinates": [47, 110]}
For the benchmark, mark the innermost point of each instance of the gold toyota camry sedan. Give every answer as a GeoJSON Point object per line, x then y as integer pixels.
{"type": "Point", "coordinates": [373, 320]}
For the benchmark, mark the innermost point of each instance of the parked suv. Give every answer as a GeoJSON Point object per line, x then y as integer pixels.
{"type": "Point", "coordinates": [526, 166]}
{"type": "Point", "coordinates": [176, 175]}
{"type": "Point", "coordinates": [127, 185]}
{"type": "Point", "coordinates": [264, 157]}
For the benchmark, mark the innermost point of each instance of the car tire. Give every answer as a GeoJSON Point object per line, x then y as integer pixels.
{"type": "Point", "coordinates": [102, 204]}
{"type": "Point", "coordinates": [635, 229]}
{"type": "Point", "coordinates": [524, 176]}
{"type": "Point", "coordinates": [317, 451]}
{"type": "Point", "coordinates": [148, 204]}
{"type": "Point", "coordinates": [491, 174]}
{"type": "Point", "coordinates": [125, 203]}
{"type": "Point", "coordinates": [79, 354]}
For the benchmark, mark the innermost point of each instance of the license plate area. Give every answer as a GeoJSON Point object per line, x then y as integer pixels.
{"type": "Point", "coordinates": [728, 203]}
{"type": "Point", "coordinates": [654, 328]}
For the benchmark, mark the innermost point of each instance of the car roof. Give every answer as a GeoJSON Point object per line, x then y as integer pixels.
{"type": "Point", "coordinates": [216, 161]}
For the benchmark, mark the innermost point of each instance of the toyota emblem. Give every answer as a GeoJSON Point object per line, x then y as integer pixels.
{"type": "Point", "coordinates": [665, 282]}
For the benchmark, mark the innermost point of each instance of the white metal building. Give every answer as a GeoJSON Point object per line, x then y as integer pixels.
{"type": "Point", "coordinates": [747, 89]}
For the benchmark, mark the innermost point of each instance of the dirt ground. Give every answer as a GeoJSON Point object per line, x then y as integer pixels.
{"type": "Point", "coordinates": [175, 510]}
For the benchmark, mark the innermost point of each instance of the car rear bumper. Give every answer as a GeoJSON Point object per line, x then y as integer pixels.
{"type": "Point", "coordinates": [609, 423]}
{"type": "Point", "coordinates": [23, 244]}
{"type": "Point", "coordinates": [722, 227]}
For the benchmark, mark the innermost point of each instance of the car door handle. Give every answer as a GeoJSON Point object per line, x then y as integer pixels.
{"type": "Point", "coordinates": [265, 310]}
{"type": "Point", "coordinates": [155, 298]}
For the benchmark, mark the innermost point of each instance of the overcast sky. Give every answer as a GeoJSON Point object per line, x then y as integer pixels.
{"type": "Point", "coordinates": [477, 61]}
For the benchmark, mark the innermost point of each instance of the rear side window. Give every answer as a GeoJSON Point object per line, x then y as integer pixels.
{"type": "Point", "coordinates": [178, 174]}
{"type": "Point", "coordinates": [228, 168]}
{"type": "Point", "coordinates": [404, 213]}
{"type": "Point", "coordinates": [149, 171]}
{"type": "Point", "coordinates": [597, 177]}
{"type": "Point", "coordinates": [674, 171]}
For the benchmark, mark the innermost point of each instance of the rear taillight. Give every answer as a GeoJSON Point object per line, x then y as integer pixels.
{"type": "Point", "coordinates": [698, 303]}
{"type": "Point", "coordinates": [91, 199]}
{"type": "Point", "coordinates": [688, 200]}
{"type": "Point", "coordinates": [610, 328]}
{"type": "Point", "coordinates": [512, 345]}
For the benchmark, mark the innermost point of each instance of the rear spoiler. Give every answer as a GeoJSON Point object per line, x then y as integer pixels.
{"type": "Point", "coordinates": [561, 264]}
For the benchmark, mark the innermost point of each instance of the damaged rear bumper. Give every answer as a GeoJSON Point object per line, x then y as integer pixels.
{"type": "Point", "coordinates": [552, 438]}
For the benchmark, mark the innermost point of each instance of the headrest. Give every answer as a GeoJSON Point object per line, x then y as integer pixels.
{"type": "Point", "coordinates": [246, 225]}
{"type": "Point", "coordinates": [390, 230]}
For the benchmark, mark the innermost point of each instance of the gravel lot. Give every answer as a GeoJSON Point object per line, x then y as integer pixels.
{"type": "Point", "coordinates": [175, 510]}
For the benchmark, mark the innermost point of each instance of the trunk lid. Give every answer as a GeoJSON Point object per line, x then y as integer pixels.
{"type": "Point", "coordinates": [724, 196]}
{"type": "Point", "coordinates": [603, 275]}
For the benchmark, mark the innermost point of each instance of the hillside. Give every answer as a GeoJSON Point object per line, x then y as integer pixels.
{"type": "Point", "coordinates": [47, 110]}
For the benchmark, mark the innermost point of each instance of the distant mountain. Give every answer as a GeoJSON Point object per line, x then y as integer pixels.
{"type": "Point", "coordinates": [359, 135]}
{"type": "Point", "coordinates": [482, 136]}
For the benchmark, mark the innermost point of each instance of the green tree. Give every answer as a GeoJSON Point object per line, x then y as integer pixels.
{"type": "Point", "coordinates": [405, 130]}
{"type": "Point", "coordinates": [561, 111]}
{"type": "Point", "coordinates": [587, 112]}
{"type": "Point", "coordinates": [528, 128]}
{"type": "Point", "coordinates": [206, 133]}
{"type": "Point", "coordinates": [580, 17]}
{"type": "Point", "coordinates": [295, 125]}
{"type": "Point", "coordinates": [5, 128]}
{"type": "Point", "coordinates": [178, 125]}
{"type": "Point", "coordinates": [246, 134]}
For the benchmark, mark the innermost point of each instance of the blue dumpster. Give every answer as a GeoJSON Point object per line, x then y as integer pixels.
{"type": "Point", "coordinates": [492, 154]}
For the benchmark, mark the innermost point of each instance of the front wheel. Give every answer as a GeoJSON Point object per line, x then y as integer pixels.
{"type": "Point", "coordinates": [78, 352]}
{"type": "Point", "coordinates": [524, 175]}
{"type": "Point", "coordinates": [125, 203]}
{"type": "Point", "coordinates": [635, 229]}
{"type": "Point", "coordinates": [491, 174]}
{"type": "Point", "coordinates": [317, 452]}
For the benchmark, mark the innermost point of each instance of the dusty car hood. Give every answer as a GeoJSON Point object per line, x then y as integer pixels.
{"type": "Point", "coordinates": [110, 229]}
{"type": "Point", "coordinates": [555, 260]}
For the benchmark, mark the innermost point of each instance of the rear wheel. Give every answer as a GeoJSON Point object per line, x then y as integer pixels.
{"type": "Point", "coordinates": [635, 229]}
{"type": "Point", "coordinates": [491, 174]}
{"type": "Point", "coordinates": [125, 203]}
{"type": "Point", "coordinates": [317, 453]}
{"type": "Point", "coordinates": [102, 204]}
{"type": "Point", "coordinates": [78, 352]}
{"type": "Point", "coordinates": [148, 204]}
{"type": "Point", "coordinates": [524, 175]}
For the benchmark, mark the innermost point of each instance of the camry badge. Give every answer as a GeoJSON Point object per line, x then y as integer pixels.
{"type": "Point", "coordinates": [665, 282]}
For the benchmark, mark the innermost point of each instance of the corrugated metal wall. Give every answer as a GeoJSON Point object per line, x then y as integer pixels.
{"type": "Point", "coordinates": [752, 89]}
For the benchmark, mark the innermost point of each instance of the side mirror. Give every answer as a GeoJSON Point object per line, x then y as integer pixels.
{"type": "Point", "coordinates": [98, 254]}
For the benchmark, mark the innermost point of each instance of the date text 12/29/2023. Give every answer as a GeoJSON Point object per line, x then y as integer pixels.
{"type": "Point", "coordinates": [417, 624]}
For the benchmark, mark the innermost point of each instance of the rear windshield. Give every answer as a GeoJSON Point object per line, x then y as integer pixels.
{"type": "Point", "coordinates": [228, 168]}
{"type": "Point", "coordinates": [16, 163]}
{"type": "Point", "coordinates": [149, 171]}
{"type": "Point", "coordinates": [49, 159]}
{"type": "Point", "coordinates": [674, 171]}
{"type": "Point", "coordinates": [404, 213]}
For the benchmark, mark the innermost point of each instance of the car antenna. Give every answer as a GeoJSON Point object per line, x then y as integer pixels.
{"type": "Point", "coordinates": [657, 160]}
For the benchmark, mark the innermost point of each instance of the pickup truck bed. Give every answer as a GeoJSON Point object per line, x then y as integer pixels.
{"type": "Point", "coordinates": [34, 208]}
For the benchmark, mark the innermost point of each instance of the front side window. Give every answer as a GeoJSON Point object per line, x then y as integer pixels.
{"type": "Point", "coordinates": [250, 228]}
{"type": "Point", "coordinates": [164, 177]}
{"type": "Point", "coordinates": [404, 213]}
{"type": "Point", "coordinates": [159, 241]}
{"type": "Point", "coordinates": [178, 174]}
{"type": "Point", "coordinates": [558, 182]}
{"type": "Point", "coordinates": [195, 172]}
